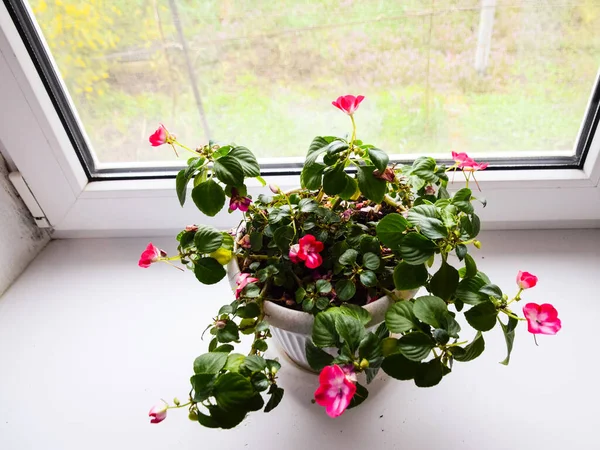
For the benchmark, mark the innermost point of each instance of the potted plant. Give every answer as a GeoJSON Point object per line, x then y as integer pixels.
{"type": "Point", "coordinates": [332, 269]}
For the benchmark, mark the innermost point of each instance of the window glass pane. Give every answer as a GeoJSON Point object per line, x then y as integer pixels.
{"type": "Point", "coordinates": [471, 75]}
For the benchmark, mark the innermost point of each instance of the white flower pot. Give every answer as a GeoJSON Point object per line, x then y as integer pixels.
{"type": "Point", "coordinates": [291, 329]}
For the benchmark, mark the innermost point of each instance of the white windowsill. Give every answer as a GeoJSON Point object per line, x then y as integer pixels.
{"type": "Point", "coordinates": [91, 341]}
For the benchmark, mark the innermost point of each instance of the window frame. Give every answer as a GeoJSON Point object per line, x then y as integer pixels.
{"type": "Point", "coordinates": [41, 142]}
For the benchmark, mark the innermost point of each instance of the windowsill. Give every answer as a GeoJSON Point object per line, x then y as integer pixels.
{"type": "Point", "coordinates": [93, 341]}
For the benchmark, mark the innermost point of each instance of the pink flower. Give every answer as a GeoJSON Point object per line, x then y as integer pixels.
{"type": "Point", "coordinates": [161, 136]}
{"type": "Point", "coordinates": [309, 251]}
{"type": "Point", "coordinates": [541, 319]}
{"type": "Point", "coordinates": [294, 249]}
{"type": "Point", "coordinates": [150, 255]}
{"type": "Point", "coordinates": [158, 412]}
{"type": "Point", "coordinates": [239, 202]}
{"type": "Point", "coordinates": [274, 189]}
{"type": "Point", "coordinates": [463, 161]}
{"type": "Point", "coordinates": [526, 280]}
{"type": "Point", "coordinates": [335, 391]}
{"type": "Point", "coordinates": [429, 190]}
{"type": "Point", "coordinates": [348, 103]}
{"type": "Point", "coordinates": [242, 280]}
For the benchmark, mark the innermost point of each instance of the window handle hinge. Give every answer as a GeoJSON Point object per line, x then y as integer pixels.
{"type": "Point", "coordinates": [23, 189]}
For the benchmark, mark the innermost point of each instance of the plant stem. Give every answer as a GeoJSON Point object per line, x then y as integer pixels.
{"type": "Point", "coordinates": [390, 201]}
{"type": "Point", "coordinates": [353, 130]}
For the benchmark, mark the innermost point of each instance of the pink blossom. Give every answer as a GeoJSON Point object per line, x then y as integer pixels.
{"type": "Point", "coordinates": [161, 136]}
{"type": "Point", "coordinates": [274, 189]}
{"type": "Point", "coordinates": [239, 202]}
{"type": "Point", "coordinates": [294, 249]}
{"type": "Point", "coordinates": [309, 251]}
{"type": "Point", "coordinates": [158, 412]}
{"type": "Point", "coordinates": [526, 280]}
{"type": "Point", "coordinates": [242, 280]}
{"type": "Point", "coordinates": [463, 161]}
{"type": "Point", "coordinates": [150, 255]}
{"type": "Point", "coordinates": [541, 319]}
{"type": "Point", "coordinates": [348, 103]}
{"type": "Point", "coordinates": [335, 391]}
{"type": "Point", "coordinates": [429, 190]}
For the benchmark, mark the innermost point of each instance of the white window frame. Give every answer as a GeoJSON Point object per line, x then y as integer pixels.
{"type": "Point", "coordinates": [35, 142]}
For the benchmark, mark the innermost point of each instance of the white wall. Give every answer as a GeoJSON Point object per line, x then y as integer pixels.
{"type": "Point", "coordinates": [20, 239]}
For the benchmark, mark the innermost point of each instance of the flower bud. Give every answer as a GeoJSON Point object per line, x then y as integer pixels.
{"type": "Point", "coordinates": [158, 412]}
{"type": "Point", "coordinates": [364, 364]}
{"type": "Point", "coordinates": [220, 324]}
{"type": "Point", "coordinates": [176, 401]}
{"type": "Point", "coordinates": [477, 244]}
{"type": "Point", "coordinates": [274, 189]}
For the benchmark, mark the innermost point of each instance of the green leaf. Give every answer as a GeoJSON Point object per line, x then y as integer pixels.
{"type": "Point", "coordinates": [207, 239]}
{"type": "Point", "coordinates": [371, 261]}
{"type": "Point", "coordinates": [416, 249]}
{"type": "Point", "coordinates": [323, 286]}
{"type": "Point", "coordinates": [468, 290]}
{"type": "Point", "coordinates": [316, 357]}
{"type": "Point", "coordinates": [471, 351]}
{"type": "Point", "coordinates": [231, 390]}
{"type": "Point", "coordinates": [369, 244]}
{"type": "Point", "coordinates": [400, 317]}
{"type": "Point", "coordinates": [202, 384]}
{"type": "Point", "coordinates": [389, 346]}
{"type": "Point", "coordinates": [229, 333]}
{"type": "Point", "coordinates": [260, 382]}
{"type": "Point", "coordinates": [491, 290]}
{"type": "Point", "coordinates": [249, 311]}
{"type": "Point", "coordinates": [208, 270]}
{"type": "Point", "coordinates": [307, 205]}
{"type": "Point", "coordinates": [350, 329]}
{"type": "Point", "coordinates": [426, 218]}
{"type": "Point", "coordinates": [348, 257]}
{"type": "Point", "coordinates": [416, 345]}
{"type": "Point", "coordinates": [360, 396]}
{"type": "Point", "coordinates": [470, 266]}
{"type": "Point", "coordinates": [181, 182]}
{"type": "Point", "coordinates": [407, 276]}
{"type": "Point", "coordinates": [358, 312]}
{"type": "Point", "coordinates": [482, 316]}
{"type": "Point", "coordinates": [210, 362]}
{"type": "Point", "coordinates": [254, 363]}
{"type": "Point", "coordinates": [209, 197]}
{"type": "Point", "coordinates": [276, 396]}
{"type": "Point", "coordinates": [256, 241]}
{"type": "Point", "coordinates": [369, 347]}
{"type": "Point", "coordinates": [247, 161]}
{"type": "Point", "coordinates": [379, 158]}
{"type": "Point", "coordinates": [371, 187]}
{"type": "Point", "coordinates": [462, 200]}
{"type": "Point", "coordinates": [219, 418]}
{"type": "Point", "coordinates": [350, 188]}
{"type": "Point", "coordinates": [324, 333]}
{"type": "Point", "coordinates": [283, 236]}
{"type": "Point", "coordinates": [345, 289]}
{"type": "Point", "coordinates": [225, 348]}
{"type": "Point", "coordinates": [430, 309]}
{"type": "Point", "coordinates": [318, 146]}
{"type": "Point", "coordinates": [444, 282]}
{"type": "Point", "coordinates": [229, 171]}
{"type": "Point", "coordinates": [368, 278]}
{"type": "Point", "coordinates": [509, 336]}
{"type": "Point", "coordinates": [261, 345]}
{"type": "Point", "coordinates": [390, 230]}
{"type": "Point", "coordinates": [334, 179]}
{"type": "Point", "coordinates": [308, 304]}
{"type": "Point", "coordinates": [424, 168]}
{"type": "Point", "coordinates": [234, 362]}
{"type": "Point", "coordinates": [336, 146]}
{"type": "Point", "coordinates": [429, 373]}
{"type": "Point", "coordinates": [399, 367]}
{"type": "Point", "coordinates": [312, 176]}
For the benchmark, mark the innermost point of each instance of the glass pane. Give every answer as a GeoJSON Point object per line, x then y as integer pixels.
{"type": "Point", "coordinates": [469, 75]}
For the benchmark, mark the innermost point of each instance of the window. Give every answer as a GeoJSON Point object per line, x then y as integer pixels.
{"type": "Point", "coordinates": [87, 82]}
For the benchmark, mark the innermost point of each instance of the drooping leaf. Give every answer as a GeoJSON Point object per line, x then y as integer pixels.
{"type": "Point", "coordinates": [208, 270]}
{"type": "Point", "coordinates": [429, 373]}
{"type": "Point", "coordinates": [471, 351]}
{"type": "Point", "coordinates": [324, 333]}
{"type": "Point", "coordinates": [482, 316]}
{"type": "Point", "coordinates": [509, 336]}
{"type": "Point", "coordinates": [247, 160]}
{"type": "Point", "coordinates": [316, 357]}
{"type": "Point", "coordinates": [229, 170]}
{"type": "Point", "coordinates": [372, 188]}
{"type": "Point", "coordinates": [360, 396]}
{"type": "Point", "coordinates": [399, 367]}
{"type": "Point", "coordinates": [379, 158]}
{"type": "Point", "coordinates": [444, 282]}
{"type": "Point", "coordinates": [209, 197]}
